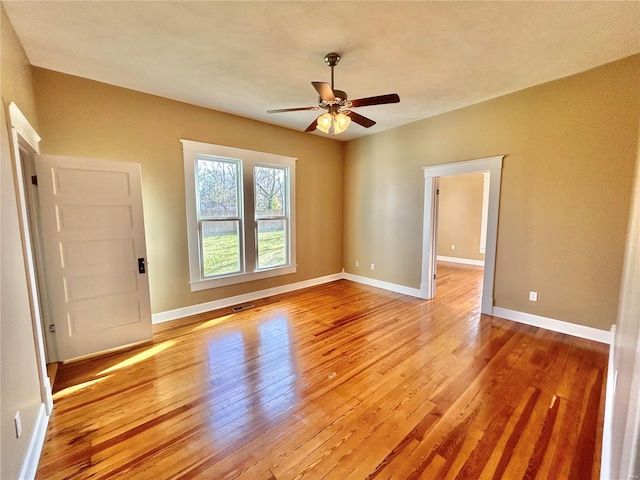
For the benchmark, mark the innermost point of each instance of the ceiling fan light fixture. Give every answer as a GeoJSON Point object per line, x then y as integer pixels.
{"type": "Point", "coordinates": [324, 122]}
{"type": "Point", "coordinates": [341, 122]}
{"type": "Point", "coordinates": [333, 123]}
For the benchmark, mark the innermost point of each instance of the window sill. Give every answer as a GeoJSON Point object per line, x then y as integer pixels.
{"type": "Point", "coordinates": [205, 284]}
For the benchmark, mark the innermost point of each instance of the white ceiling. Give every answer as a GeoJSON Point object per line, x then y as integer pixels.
{"type": "Point", "coordinates": [248, 57]}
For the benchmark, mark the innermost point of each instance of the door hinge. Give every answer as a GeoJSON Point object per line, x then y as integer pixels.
{"type": "Point", "coordinates": [434, 276]}
{"type": "Point", "coordinates": [52, 328]}
{"type": "Point", "coordinates": [34, 180]}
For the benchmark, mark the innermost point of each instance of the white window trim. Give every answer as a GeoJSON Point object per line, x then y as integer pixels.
{"type": "Point", "coordinates": [191, 150]}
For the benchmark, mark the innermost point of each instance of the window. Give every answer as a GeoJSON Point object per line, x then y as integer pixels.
{"type": "Point", "coordinates": [218, 188]}
{"type": "Point", "coordinates": [271, 215]}
{"type": "Point", "coordinates": [240, 214]}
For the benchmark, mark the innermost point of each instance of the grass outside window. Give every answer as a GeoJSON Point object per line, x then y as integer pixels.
{"type": "Point", "coordinates": [221, 255]}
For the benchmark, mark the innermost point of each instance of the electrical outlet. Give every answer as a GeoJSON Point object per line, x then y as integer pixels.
{"type": "Point", "coordinates": [453, 247]}
{"type": "Point", "coordinates": [373, 266]}
{"type": "Point", "coordinates": [357, 263]}
{"type": "Point", "coordinates": [18, 424]}
{"type": "Point", "coordinates": [533, 296]}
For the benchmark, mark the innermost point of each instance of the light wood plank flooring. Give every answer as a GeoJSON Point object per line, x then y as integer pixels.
{"type": "Point", "coordinates": [340, 381]}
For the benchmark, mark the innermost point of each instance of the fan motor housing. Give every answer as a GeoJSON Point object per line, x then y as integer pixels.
{"type": "Point", "coordinates": [340, 96]}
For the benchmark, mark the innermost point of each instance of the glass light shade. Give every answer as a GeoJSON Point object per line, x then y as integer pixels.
{"type": "Point", "coordinates": [341, 122]}
{"type": "Point", "coordinates": [324, 122]}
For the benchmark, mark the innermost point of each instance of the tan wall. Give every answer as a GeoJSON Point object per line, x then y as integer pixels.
{"type": "Point", "coordinates": [19, 380]}
{"type": "Point", "coordinates": [570, 149]}
{"type": "Point", "coordinates": [460, 216]}
{"type": "Point", "coordinates": [83, 118]}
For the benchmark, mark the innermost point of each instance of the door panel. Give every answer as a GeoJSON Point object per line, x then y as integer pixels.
{"type": "Point", "coordinates": [92, 253]}
{"type": "Point", "coordinates": [93, 235]}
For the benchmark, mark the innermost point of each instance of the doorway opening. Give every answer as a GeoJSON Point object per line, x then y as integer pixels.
{"type": "Point", "coordinates": [461, 228]}
{"type": "Point", "coordinates": [491, 166]}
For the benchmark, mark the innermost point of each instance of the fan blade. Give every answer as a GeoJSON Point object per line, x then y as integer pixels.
{"type": "Point", "coordinates": [359, 119]}
{"type": "Point", "coordinates": [280, 110]}
{"type": "Point", "coordinates": [312, 127]}
{"type": "Point", "coordinates": [325, 91]}
{"type": "Point", "coordinates": [379, 100]}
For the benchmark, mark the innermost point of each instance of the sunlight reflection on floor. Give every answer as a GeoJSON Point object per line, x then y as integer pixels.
{"type": "Point", "coordinates": [212, 322]}
{"type": "Point", "coordinates": [139, 357]}
{"type": "Point", "coordinates": [254, 374]}
{"type": "Point", "coordinates": [69, 390]}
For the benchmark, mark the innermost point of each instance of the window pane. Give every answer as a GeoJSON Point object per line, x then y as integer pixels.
{"type": "Point", "coordinates": [220, 247]}
{"type": "Point", "coordinates": [272, 243]}
{"type": "Point", "coordinates": [270, 191]}
{"type": "Point", "coordinates": [217, 188]}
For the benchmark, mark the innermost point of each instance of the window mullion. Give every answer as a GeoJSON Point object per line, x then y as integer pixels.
{"type": "Point", "coordinates": [250, 221]}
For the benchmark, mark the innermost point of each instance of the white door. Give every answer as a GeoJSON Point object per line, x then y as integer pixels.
{"type": "Point", "coordinates": [94, 253]}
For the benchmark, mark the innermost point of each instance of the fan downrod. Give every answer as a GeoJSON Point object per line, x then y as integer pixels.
{"type": "Point", "coordinates": [332, 60]}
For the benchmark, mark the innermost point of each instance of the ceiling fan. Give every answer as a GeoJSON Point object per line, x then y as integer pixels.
{"type": "Point", "coordinates": [338, 107]}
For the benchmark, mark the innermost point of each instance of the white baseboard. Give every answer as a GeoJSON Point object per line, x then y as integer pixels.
{"type": "Point", "coordinates": [582, 331]}
{"type": "Point", "coordinates": [413, 292]}
{"type": "Point", "coordinates": [47, 394]}
{"type": "Point", "coordinates": [605, 462]}
{"type": "Point", "coordinates": [466, 261]}
{"type": "Point", "coordinates": [169, 315]}
{"type": "Point", "coordinates": [32, 457]}
{"type": "Point", "coordinates": [486, 306]}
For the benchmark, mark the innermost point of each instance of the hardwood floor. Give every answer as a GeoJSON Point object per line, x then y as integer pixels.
{"type": "Point", "coordinates": [339, 381]}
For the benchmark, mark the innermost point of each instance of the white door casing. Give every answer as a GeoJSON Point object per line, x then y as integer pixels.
{"type": "Point", "coordinates": [93, 237]}
{"type": "Point", "coordinates": [24, 136]}
{"type": "Point", "coordinates": [492, 165]}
